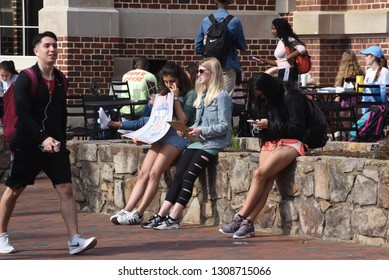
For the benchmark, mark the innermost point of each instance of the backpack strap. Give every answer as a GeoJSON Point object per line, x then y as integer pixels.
{"type": "Point", "coordinates": [212, 19]}
{"type": "Point", "coordinates": [64, 81]}
{"type": "Point", "coordinates": [227, 19]}
{"type": "Point", "coordinates": [34, 80]}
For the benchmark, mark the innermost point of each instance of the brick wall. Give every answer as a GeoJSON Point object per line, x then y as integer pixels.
{"type": "Point", "coordinates": [242, 5]}
{"type": "Point", "coordinates": [90, 59]}
{"type": "Point", "coordinates": [340, 5]}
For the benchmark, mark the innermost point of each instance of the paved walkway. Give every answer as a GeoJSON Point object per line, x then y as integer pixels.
{"type": "Point", "coordinates": [38, 233]}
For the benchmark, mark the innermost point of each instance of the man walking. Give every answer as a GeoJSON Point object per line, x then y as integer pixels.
{"type": "Point", "coordinates": [231, 65]}
{"type": "Point", "coordinates": [39, 143]}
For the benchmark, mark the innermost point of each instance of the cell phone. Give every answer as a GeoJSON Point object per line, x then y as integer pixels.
{"type": "Point", "coordinates": [250, 121]}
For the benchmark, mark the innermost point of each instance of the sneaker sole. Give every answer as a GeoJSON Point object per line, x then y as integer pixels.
{"type": "Point", "coordinates": [147, 226]}
{"type": "Point", "coordinates": [248, 235]}
{"type": "Point", "coordinates": [226, 233]}
{"type": "Point", "coordinates": [115, 221]}
{"type": "Point", "coordinates": [91, 245]}
{"type": "Point", "coordinates": [8, 251]}
{"type": "Point", "coordinates": [166, 228]}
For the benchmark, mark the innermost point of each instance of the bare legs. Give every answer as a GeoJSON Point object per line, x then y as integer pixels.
{"type": "Point", "coordinates": [270, 164]}
{"type": "Point", "coordinates": [7, 206]}
{"type": "Point", "coordinates": [67, 206]}
{"type": "Point", "coordinates": [157, 161]}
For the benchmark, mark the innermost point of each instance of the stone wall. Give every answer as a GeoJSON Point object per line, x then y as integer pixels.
{"type": "Point", "coordinates": [333, 198]}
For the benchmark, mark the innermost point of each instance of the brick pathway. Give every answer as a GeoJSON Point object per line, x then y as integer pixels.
{"type": "Point", "coordinates": [38, 233]}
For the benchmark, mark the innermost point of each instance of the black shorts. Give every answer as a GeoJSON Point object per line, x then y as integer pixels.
{"type": "Point", "coordinates": [25, 168]}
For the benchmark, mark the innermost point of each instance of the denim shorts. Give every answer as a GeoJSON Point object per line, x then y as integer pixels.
{"type": "Point", "coordinates": [172, 138]}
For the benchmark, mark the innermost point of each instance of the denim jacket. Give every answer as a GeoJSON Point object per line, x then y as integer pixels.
{"type": "Point", "coordinates": [215, 122]}
{"type": "Point", "coordinates": [235, 31]}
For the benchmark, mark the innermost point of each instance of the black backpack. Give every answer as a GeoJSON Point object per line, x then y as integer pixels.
{"type": "Point", "coordinates": [316, 125]}
{"type": "Point", "coordinates": [217, 43]}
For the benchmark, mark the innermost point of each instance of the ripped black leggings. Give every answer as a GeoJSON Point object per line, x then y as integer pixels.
{"type": "Point", "coordinates": [192, 163]}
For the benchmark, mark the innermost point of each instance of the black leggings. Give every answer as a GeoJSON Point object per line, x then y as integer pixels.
{"type": "Point", "coordinates": [192, 163]}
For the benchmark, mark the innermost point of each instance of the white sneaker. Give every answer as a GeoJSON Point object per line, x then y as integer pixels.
{"type": "Point", "coordinates": [124, 217]}
{"type": "Point", "coordinates": [103, 119]}
{"type": "Point", "coordinates": [5, 245]}
{"type": "Point", "coordinates": [78, 244]}
{"type": "Point", "coordinates": [124, 131]}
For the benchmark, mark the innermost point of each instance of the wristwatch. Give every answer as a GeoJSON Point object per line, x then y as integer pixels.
{"type": "Point", "coordinates": [175, 98]}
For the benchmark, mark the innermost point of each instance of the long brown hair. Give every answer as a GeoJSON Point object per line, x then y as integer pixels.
{"type": "Point", "coordinates": [382, 63]}
{"type": "Point", "coordinates": [348, 68]}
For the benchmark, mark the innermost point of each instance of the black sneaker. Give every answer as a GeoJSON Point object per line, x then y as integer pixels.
{"type": "Point", "coordinates": [168, 223]}
{"type": "Point", "coordinates": [153, 221]}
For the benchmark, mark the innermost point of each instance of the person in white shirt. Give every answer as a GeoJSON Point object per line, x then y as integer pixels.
{"type": "Point", "coordinates": [8, 76]}
{"type": "Point", "coordinates": [287, 72]}
{"type": "Point", "coordinates": [377, 73]}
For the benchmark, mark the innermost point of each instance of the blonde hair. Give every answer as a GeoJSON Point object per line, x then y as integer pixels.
{"type": "Point", "coordinates": [348, 68]}
{"type": "Point", "coordinates": [214, 86]}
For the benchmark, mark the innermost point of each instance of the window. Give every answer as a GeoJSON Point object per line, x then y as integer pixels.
{"type": "Point", "coordinates": [18, 25]}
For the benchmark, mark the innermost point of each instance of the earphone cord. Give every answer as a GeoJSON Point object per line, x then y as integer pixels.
{"type": "Point", "coordinates": [46, 117]}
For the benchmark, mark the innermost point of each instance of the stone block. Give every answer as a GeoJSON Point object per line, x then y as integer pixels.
{"type": "Point", "coordinates": [321, 180]}
{"type": "Point", "coordinates": [90, 174]}
{"type": "Point", "coordinates": [107, 172]}
{"type": "Point", "coordinates": [311, 218]}
{"type": "Point", "coordinates": [288, 211]}
{"type": "Point", "coordinates": [365, 191]}
{"type": "Point", "coordinates": [340, 183]}
{"type": "Point", "coordinates": [383, 196]}
{"type": "Point", "coordinates": [87, 151]}
{"type": "Point", "coordinates": [267, 216]}
{"type": "Point", "coordinates": [369, 221]}
{"type": "Point", "coordinates": [125, 160]}
{"type": "Point", "coordinates": [118, 194]}
{"type": "Point", "coordinates": [338, 223]}
{"type": "Point", "coordinates": [371, 241]}
{"type": "Point", "coordinates": [192, 215]}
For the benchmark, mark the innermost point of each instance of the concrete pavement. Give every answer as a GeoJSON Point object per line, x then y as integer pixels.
{"type": "Point", "coordinates": [37, 232]}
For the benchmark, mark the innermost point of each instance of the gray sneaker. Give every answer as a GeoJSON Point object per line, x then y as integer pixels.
{"type": "Point", "coordinates": [246, 230]}
{"type": "Point", "coordinates": [168, 223]}
{"type": "Point", "coordinates": [232, 226]}
{"type": "Point", "coordinates": [153, 221]}
{"type": "Point", "coordinates": [124, 217]}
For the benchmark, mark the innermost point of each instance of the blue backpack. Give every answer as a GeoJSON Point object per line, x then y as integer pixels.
{"type": "Point", "coordinates": [371, 124]}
